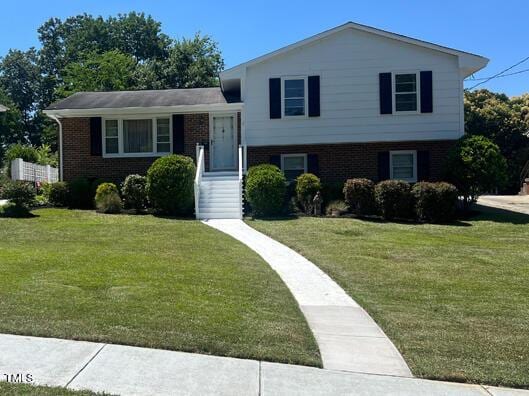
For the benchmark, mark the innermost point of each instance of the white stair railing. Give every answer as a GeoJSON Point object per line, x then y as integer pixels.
{"type": "Point", "coordinates": [198, 177]}
{"type": "Point", "coordinates": [240, 181]}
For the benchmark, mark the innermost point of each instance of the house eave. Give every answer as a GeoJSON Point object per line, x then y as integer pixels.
{"type": "Point", "coordinates": [63, 113]}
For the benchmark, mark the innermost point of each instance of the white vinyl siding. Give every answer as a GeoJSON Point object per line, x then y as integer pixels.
{"type": "Point", "coordinates": [349, 64]}
{"type": "Point", "coordinates": [136, 136]}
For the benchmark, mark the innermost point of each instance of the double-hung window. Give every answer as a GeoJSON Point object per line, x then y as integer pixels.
{"type": "Point", "coordinates": [403, 165]}
{"type": "Point", "coordinates": [406, 92]}
{"type": "Point", "coordinates": [130, 137]}
{"type": "Point", "coordinates": [294, 96]}
{"type": "Point", "coordinates": [293, 165]}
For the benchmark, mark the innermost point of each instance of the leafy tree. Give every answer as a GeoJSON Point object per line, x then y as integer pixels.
{"type": "Point", "coordinates": [475, 165]}
{"type": "Point", "coordinates": [109, 71]}
{"type": "Point", "coordinates": [193, 63]}
{"type": "Point", "coordinates": [20, 77]}
{"type": "Point", "coordinates": [505, 121]}
{"type": "Point", "coordinates": [11, 127]}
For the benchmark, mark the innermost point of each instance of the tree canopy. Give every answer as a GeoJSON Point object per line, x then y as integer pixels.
{"type": "Point", "coordinates": [505, 121]}
{"type": "Point", "coordinates": [89, 53]}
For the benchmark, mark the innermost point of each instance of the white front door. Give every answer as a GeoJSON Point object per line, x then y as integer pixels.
{"type": "Point", "coordinates": [223, 143]}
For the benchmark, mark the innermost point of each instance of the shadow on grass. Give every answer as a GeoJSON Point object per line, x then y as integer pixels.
{"type": "Point", "coordinates": [480, 213]}
{"type": "Point", "coordinates": [487, 213]}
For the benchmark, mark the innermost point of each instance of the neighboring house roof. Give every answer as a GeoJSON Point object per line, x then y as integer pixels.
{"type": "Point", "coordinates": [3, 108]}
{"type": "Point", "coordinates": [469, 63]}
{"type": "Point", "coordinates": [143, 99]}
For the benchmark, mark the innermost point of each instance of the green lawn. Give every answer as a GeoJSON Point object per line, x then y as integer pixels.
{"type": "Point", "coordinates": [147, 281]}
{"type": "Point", "coordinates": [453, 298]}
{"type": "Point", "coordinates": [13, 389]}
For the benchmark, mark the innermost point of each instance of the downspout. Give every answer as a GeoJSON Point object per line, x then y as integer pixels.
{"type": "Point", "coordinates": [57, 120]}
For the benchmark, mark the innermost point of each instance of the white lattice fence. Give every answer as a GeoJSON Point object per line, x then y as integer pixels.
{"type": "Point", "coordinates": [28, 171]}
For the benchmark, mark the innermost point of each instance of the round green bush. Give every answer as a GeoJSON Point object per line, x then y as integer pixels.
{"type": "Point", "coordinates": [307, 185]}
{"type": "Point", "coordinates": [170, 184]}
{"type": "Point", "coordinates": [265, 189]}
{"type": "Point", "coordinates": [58, 194]}
{"type": "Point", "coordinates": [81, 196]}
{"type": "Point", "coordinates": [21, 196]}
{"type": "Point", "coordinates": [107, 198]}
{"type": "Point", "coordinates": [134, 192]}
{"type": "Point", "coordinates": [360, 196]}
{"type": "Point", "coordinates": [435, 202]}
{"type": "Point", "coordinates": [475, 165]}
{"type": "Point", "coordinates": [394, 199]}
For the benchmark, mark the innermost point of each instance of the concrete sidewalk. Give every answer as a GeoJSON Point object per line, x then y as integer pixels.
{"type": "Point", "coordinates": [348, 338]}
{"type": "Point", "coordinates": [514, 203]}
{"type": "Point", "coordinates": [125, 370]}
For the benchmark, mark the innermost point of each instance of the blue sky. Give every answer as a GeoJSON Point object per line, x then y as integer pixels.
{"type": "Point", "coordinates": [246, 29]}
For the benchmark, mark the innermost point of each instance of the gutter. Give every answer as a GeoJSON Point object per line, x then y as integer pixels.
{"type": "Point", "coordinates": [57, 120]}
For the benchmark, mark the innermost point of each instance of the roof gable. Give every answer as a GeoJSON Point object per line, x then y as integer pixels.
{"type": "Point", "coordinates": [469, 63]}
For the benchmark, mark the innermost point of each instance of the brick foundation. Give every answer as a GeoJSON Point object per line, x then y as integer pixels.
{"type": "Point", "coordinates": [338, 162]}
{"type": "Point", "coordinates": [77, 160]}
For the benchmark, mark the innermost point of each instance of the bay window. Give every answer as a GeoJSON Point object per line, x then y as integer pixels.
{"type": "Point", "coordinates": [136, 137]}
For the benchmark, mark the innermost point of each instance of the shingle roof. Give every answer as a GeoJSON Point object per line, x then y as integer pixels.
{"type": "Point", "coordinates": [3, 108]}
{"type": "Point", "coordinates": [148, 98]}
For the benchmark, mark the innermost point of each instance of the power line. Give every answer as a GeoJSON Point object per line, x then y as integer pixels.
{"type": "Point", "coordinates": [498, 74]}
{"type": "Point", "coordinates": [503, 75]}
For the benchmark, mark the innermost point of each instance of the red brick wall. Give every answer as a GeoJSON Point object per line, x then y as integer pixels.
{"type": "Point", "coordinates": [338, 162]}
{"type": "Point", "coordinates": [77, 160]}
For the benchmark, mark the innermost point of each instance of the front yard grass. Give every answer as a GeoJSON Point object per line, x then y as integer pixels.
{"type": "Point", "coordinates": [453, 298]}
{"type": "Point", "coordinates": [16, 389]}
{"type": "Point", "coordinates": [146, 281]}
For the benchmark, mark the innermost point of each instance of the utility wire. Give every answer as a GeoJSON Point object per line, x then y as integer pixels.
{"type": "Point", "coordinates": [499, 74]}
{"type": "Point", "coordinates": [503, 75]}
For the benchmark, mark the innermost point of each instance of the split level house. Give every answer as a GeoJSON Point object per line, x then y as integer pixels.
{"type": "Point", "coordinates": [353, 101]}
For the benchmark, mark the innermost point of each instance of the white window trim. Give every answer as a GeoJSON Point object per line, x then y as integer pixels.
{"type": "Point", "coordinates": [414, 152]}
{"type": "Point", "coordinates": [417, 93]}
{"type": "Point", "coordinates": [305, 99]}
{"type": "Point", "coordinates": [120, 119]}
{"type": "Point", "coordinates": [305, 165]}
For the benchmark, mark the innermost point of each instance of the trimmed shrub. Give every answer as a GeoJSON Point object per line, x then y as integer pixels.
{"type": "Point", "coordinates": [26, 152]}
{"type": "Point", "coordinates": [58, 194]}
{"type": "Point", "coordinates": [394, 199]}
{"type": "Point", "coordinates": [133, 192]}
{"type": "Point", "coordinates": [307, 185]}
{"type": "Point", "coordinates": [81, 194]}
{"type": "Point", "coordinates": [360, 196]}
{"type": "Point", "coordinates": [94, 184]}
{"type": "Point", "coordinates": [21, 196]}
{"type": "Point", "coordinates": [265, 189]}
{"type": "Point", "coordinates": [435, 202]}
{"type": "Point", "coordinates": [170, 184]}
{"type": "Point", "coordinates": [107, 198]}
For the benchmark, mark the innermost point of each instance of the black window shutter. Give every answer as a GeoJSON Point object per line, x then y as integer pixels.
{"type": "Point", "coordinates": [426, 92]}
{"type": "Point", "coordinates": [96, 136]}
{"type": "Point", "coordinates": [386, 101]}
{"type": "Point", "coordinates": [312, 164]}
{"type": "Point", "coordinates": [275, 97]}
{"type": "Point", "coordinates": [314, 96]}
{"type": "Point", "coordinates": [383, 165]}
{"type": "Point", "coordinates": [275, 160]}
{"type": "Point", "coordinates": [423, 165]}
{"type": "Point", "coordinates": [178, 133]}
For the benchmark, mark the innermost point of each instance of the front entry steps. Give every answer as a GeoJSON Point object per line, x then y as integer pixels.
{"type": "Point", "coordinates": [220, 196]}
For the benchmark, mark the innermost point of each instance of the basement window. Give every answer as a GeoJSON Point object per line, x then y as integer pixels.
{"type": "Point", "coordinates": [403, 165]}
{"type": "Point", "coordinates": [293, 165]}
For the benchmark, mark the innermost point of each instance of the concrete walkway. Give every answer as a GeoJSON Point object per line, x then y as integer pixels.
{"type": "Point", "coordinates": [125, 370]}
{"type": "Point", "coordinates": [348, 338]}
{"type": "Point", "coordinates": [514, 203]}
